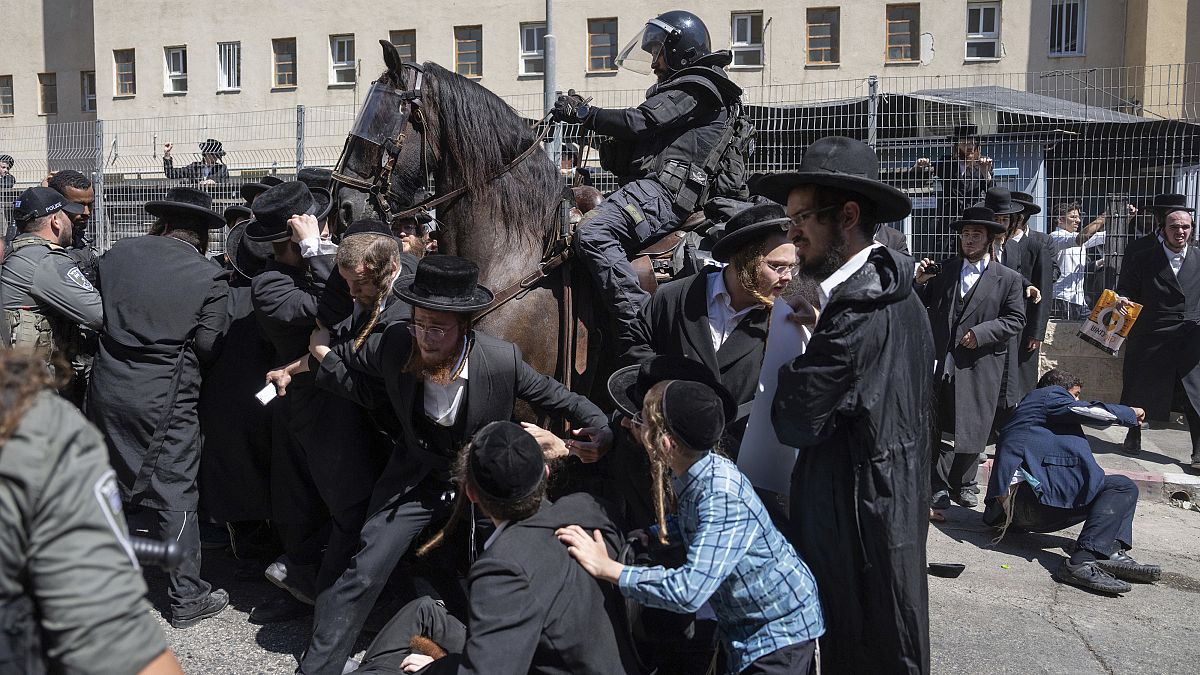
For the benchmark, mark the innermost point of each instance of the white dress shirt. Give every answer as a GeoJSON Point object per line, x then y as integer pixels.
{"type": "Point", "coordinates": [722, 317]}
{"type": "Point", "coordinates": [314, 246]}
{"type": "Point", "coordinates": [854, 264]}
{"type": "Point", "coordinates": [442, 401]}
{"type": "Point", "coordinates": [971, 271]}
{"type": "Point", "coordinates": [1072, 264]}
{"type": "Point", "coordinates": [1176, 259]}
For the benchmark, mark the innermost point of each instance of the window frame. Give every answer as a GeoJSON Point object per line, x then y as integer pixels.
{"type": "Point", "coordinates": [43, 110]}
{"type": "Point", "coordinates": [84, 95]}
{"type": "Point", "coordinates": [275, 63]}
{"type": "Point", "coordinates": [835, 36]}
{"type": "Point", "coordinates": [117, 85]}
{"type": "Point", "coordinates": [336, 66]}
{"type": "Point", "coordinates": [982, 36]}
{"type": "Point", "coordinates": [914, 32]}
{"type": "Point", "coordinates": [614, 46]}
{"type": "Point", "coordinates": [525, 55]}
{"type": "Point", "coordinates": [407, 32]}
{"type": "Point", "coordinates": [459, 41]}
{"type": "Point", "coordinates": [738, 47]}
{"type": "Point", "coordinates": [1080, 28]}
{"type": "Point", "coordinates": [226, 83]}
{"type": "Point", "coordinates": [170, 77]}
{"type": "Point", "coordinates": [12, 96]}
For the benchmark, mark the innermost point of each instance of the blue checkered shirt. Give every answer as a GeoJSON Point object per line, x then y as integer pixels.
{"type": "Point", "coordinates": [762, 593]}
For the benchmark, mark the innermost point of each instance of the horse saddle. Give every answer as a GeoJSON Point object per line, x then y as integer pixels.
{"type": "Point", "coordinates": [662, 260]}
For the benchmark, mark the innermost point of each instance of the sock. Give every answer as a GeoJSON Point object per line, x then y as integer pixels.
{"type": "Point", "coordinates": [1082, 555]}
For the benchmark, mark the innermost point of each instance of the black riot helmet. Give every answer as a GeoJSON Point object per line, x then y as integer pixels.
{"type": "Point", "coordinates": [679, 36]}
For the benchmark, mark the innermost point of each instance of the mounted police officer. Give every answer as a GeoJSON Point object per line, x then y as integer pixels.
{"type": "Point", "coordinates": [45, 296]}
{"type": "Point", "coordinates": [669, 153]}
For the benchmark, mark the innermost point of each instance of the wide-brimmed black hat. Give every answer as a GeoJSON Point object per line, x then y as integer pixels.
{"type": "Point", "coordinates": [8, 159]}
{"type": "Point", "coordinates": [212, 146]}
{"type": "Point", "coordinates": [251, 190]}
{"type": "Point", "coordinates": [628, 386]}
{"type": "Point", "coordinates": [1029, 207]}
{"type": "Point", "coordinates": [445, 283]}
{"type": "Point", "coordinates": [186, 201]}
{"type": "Point", "coordinates": [1168, 202]}
{"type": "Point", "coordinates": [755, 218]}
{"type": "Point", "coordinates": [842, 163]}
{"type": "Point", "coordinates": [234, 213]}
{"type": "Point", "coordinates": [273, 208]}
{"type": "Point", "coordinates": [1000, 201]}
{"type": "Point", "coordinates": [506, 461]}
{"type": "Point", "coordinates": [247, 257]}
{"type": "Point", "coordinates": [965, 131]}
{"type": "Point", "coordinates": [978, 215]}
{"type": "Point", "coordinates": [320, 183]}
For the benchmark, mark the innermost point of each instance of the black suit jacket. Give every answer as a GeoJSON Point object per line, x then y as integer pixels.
{"type": "Point", "coordinates": [535, 610]}
{"type": "Point", "coordinates": [496, 378]}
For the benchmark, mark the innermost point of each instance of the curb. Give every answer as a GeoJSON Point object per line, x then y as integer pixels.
{"type": "Point", "coordinates": [1154, 487]}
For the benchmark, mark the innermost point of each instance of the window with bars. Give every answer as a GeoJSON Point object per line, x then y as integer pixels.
{"type": "Point", "coordinates": [87, 91]}
{"type": "Point", "coordinates": [746, 39]}
{"type": "Point", "coordinates": [533, 48]}
{"type": "Point", "coordinates": [405, 42]}
{"type": "Point", "coordinates": [468, 51]}
{"type": "Point", "coordinates": [983, 30]}
{"type": "Point", "coordinates": [824, 27]}
{"type": "Point", "coordinates": [283, 51]}
{"type": "Point", "coordinates": [903, 33]}
{"type": "Point", "coordinates": [343, 68]}
{"type": "Point", "coordinates": [177, 73]}
{"type": "Point", "coordinates": [229, 66]}
{"type": "Point", "coordinates": [124, 73]}
{"type": "Point", "coordinates": [602, 45]}
{"type": "Point", "coordinates": [1067, 23]}
{"type": "Point", "coordinates": [47, 94]}
{"type": "Point", "coordinates": [6, 96]}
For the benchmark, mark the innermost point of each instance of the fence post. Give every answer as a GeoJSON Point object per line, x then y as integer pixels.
{"type": "Point", "coordinates": [100, 222]}
{"type": "Point", "coordinates": [872, 109]}
{"type": "Point", "coordinates": [299, 137]}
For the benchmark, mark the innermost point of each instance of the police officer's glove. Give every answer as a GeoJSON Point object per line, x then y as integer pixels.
{"type": "Point", "coordinates": [570, 108]}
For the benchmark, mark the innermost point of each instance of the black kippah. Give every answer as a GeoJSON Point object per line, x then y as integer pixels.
{"type": "Point", "coordinates": [367, 226]}
{"type": "Point", "coordinates": [693, 413]}
{"type": "Point", "coordinates": [506, 461]}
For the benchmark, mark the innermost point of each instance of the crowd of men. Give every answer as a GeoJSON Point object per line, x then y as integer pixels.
{"type": "Point", "coordinates": [385, 449]}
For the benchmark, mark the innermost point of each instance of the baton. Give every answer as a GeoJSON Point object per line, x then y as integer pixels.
{"type": "Point", "coordinates": [163, 554]}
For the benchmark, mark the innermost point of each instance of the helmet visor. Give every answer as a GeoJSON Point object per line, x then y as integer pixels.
{"type": "Point", "coordinates": [382, 115]}
{"type": "Point", "coordinates": [641, 52]}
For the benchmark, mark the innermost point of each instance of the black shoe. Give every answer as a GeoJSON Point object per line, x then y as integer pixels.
{"type": "Point", "coordinates": [940, 501]}
{"type": "Point", "coordinates": [1088, 575]}
{"type": "Point", "coordinates": [214, 604]}
{"type": "Point", "coordinates": [1132, 445]}
{"type": "Point", "coordinates": [966, 497]}
{"type": "Point", "coordinates": [299, 580]}
{"type": "Point", "coordinates": [1121, 566]}
{"type": "Point", "coordinates": [277, 610]}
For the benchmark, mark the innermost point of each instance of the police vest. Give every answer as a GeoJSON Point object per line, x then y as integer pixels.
{"type": "Point", "coordinates": [28, 325]}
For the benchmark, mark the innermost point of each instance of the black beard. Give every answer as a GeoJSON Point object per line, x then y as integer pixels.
{"type": "Point", "coordinates": [833, 259]}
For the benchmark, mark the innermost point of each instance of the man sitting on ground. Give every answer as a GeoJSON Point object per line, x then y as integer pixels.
{"type": "Point", "coordinates": [1045, 479]}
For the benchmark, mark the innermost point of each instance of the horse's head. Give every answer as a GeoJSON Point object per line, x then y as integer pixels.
{"type": "Point", "coordinates": [383, 164]}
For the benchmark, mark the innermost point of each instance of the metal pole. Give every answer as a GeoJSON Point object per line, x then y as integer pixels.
{"type": "Point", "coordinates": [299, 137]}
{"type": "Point", "coordinates": [872, 109]}
{"type": "Point", "coordinates": [549, 85]}
{"type": "Point", "coordinates": [101, 224]}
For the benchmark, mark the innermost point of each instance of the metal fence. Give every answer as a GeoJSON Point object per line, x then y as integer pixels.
{"type": "Point", "coordinates": [1102, 138]}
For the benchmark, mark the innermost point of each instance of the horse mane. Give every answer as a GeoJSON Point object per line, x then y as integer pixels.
{"type": "Point", "coordinates": [479, 134]}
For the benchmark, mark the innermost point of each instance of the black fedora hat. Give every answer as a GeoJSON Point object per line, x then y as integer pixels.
{"type": "Point", "coordinates": [247, 257]}
{"type": "Point", "coordinates": [1028, 206]}
{"type": "Point", "coordinates": [628, 386]}
{"type": "Point", "coordinates": [212, 146]}
{"type": "Point", "coordinates": [273, 208]}
{"type": "Point", "coordinates": [1171, 201]}
{"type": "Point", "coordinates": [186, 201]}
{"type": "Point", "coordinates": [235, 213]}
{"type": "Point", "coordinates": [320, 183]}
{"type": "Point", "coordinates": [842, 163]}
{"type": "Point", "coordinates": [1000, 201]}
{"type": "Point", "coordinates": [755, 218]}
{"type": "Point", "coordinates": [445, 283]}
{"type": "Point", "coordinates": [251, 190]}
{"type": "Point", "coordinates": [978, 215]}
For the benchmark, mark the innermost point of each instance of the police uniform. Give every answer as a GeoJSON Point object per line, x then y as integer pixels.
{"type": "Point", "coordinates": [68, 576]}
{"type": "Point", "coordinates": [661, 153]}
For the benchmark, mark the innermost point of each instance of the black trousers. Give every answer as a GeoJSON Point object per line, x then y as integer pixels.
{"type": "Point", "coordinates": [1107, 520]}
{"type": "Point", "coordinates": [423, 616]}
{"type": "Point", "coordinates": [186, 589]}
{"type": "Point", "coordinates": [794, 659]}
{"type": "Point", "coordinates": [953, 471]}
{"type": "Point", "coordinates": [1193, 423]}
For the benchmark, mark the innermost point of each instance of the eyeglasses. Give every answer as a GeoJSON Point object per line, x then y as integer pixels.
{"type": "Point", "coordinates": [431, 333]}
{"type": "Point", "coordinates": [783, 270]}
{"type": "Point", "coordinates": [801, 216]}
{"type": "Point", "coordinates": [637, 420]}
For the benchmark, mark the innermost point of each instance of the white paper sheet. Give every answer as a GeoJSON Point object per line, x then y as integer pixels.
{"type": "Point", "coordinates": [765, 461]}
{"type": "Point", "coordinates": [266, 394]}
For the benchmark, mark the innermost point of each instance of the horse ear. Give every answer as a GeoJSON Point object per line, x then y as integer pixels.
{"type": "Point", "coordinates": [392, 58]}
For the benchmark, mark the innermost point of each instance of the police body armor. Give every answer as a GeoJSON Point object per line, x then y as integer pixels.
{"type": "Point", "coordinates": [29, 327]}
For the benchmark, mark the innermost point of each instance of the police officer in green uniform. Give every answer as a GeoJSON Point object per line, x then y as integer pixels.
{"type": "Point", "coordinates": [44, 294]}
{"type": "Point", "coordinates": [72, 598]}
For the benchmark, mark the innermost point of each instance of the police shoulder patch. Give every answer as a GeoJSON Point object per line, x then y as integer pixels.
{"type": "Point", "coordinates": [75, 276]}
{"type": "Point", "coordinates": [108, 496]}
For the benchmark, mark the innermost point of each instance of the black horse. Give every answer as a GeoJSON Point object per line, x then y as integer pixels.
{"type": "Point", "coordinates": [497, 197]}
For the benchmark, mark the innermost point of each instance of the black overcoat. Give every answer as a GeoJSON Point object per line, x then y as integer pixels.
{"type": "Point", "coordinates": [1033, 258]}
{"type": "Point", "coordinates": [995, 311]}
{"type": "Point", "coordinates": [165, 310]}
{"type": "Point", "coordinates": [1163, 347]}
{"type": "Point", "coordinates": [856, 404]}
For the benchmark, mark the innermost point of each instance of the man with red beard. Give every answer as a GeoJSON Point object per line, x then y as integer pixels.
{"type": "Point", "coordinates": [445, 381]}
